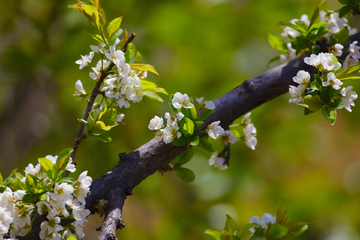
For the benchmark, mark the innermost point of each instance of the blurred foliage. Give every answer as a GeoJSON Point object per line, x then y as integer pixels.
{"type": "Point", "coordinates": [212, 46]}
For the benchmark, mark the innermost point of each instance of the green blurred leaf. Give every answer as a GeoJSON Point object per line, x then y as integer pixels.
{"type": "Point", "coordinates": [29, 197]}
{"type": "Point", "coordinates": [275, 59]}
{"type": "Point", "coordinates": [322, 31]}
{"type": "Point", "coordinates": [281, 212]}
{"type": "Point", "coordinates": [46, 164]}
{"type": "Point", "coordinates": [259, 234]}
{"type": "Point", "coordinates": [195, 140]}
{"type": "Point", "coordinates": [230, 225]}
{"type": "Point", "coordinates": [66, 179]}
{"type": "Point", "coordinates": [109, 116]}
{"type": "Point", "coordinates": [129, 54]}
{"type": "Point", "coordinates": [158, 90]}
{"type": "Point", "coordinates": [350, 78]}
{"type": "Point", "coordinates": [186, 156]}
{"type": "Point", "coordinates": [298, 26]}
{"type": "Point", "coordinates": [214, 233]}
{"type": "Point", "coordinates": [114, 26]}
{"type": "Point", "coordinates": [204, 144]}
{"type": "Point", "coordinates": [313, 103]}
{"type": "Point", "coordinates": [63, 159]}
{"type": "Point", "coordinates": [300, 44]}
{"type": "Point", "coordinates": [145, 84]}
{"type": "Point", "coordinates": [115, 35]}
{"type": "Point", "coordinates": [144, 67]}
{"type": "Point", "coordinates": [277, 43]}
{"type": "Point", "coordinates": [101, 126]}
{"type": "Point", "coordinates": [329, 114]}
{"type": "Point", "coordinates": [344, 10]}
{"type": "Point", "coordinates": [152, 95]}
{"type": "Point", "coordinates": [326, 94]}
{"type": "Point", "coordinates": [102, 136]}
{"type": "Point", "coordinates": [276, 231]}
{"type": "Point", "coordinates": [180, 141]}
{"type": "Point", "coordinates": [337, 104]}
{"type": "Point", "coordinates": [205, 114]}
{"type": "Point", "coordinates": [343, 35]}
{"type": "Point", "coordinates": [97, 37]}
{"type": "Point", "coordinates": [352, 70]}
{"type": "Point", "coordinates": [138, 57]}
{"type": "Point", "coordinates": [185, 174]}
{"type": "Point", "coordinates": [295, 229]}
{"type": "Point", "coordinates": [245, 229]}
{"type": "Point", "coordinates": [71, 238]}
{"type": "Point", "coordinates": [30, 181]}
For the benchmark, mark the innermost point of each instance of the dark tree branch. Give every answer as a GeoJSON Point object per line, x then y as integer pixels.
{"type": "Point", "coordinates": [155, 155]}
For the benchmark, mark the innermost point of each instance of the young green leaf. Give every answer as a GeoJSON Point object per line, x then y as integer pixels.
{"type": "Point", "coordinates": [153, 95]}
{"type": "Point", "coordinates": [188, 127]}
{"type": "Point", "coordinates": [195, 140]}
{"type": "Point", "coordinates": [214, 233]}
{"type": "Point", "coordinates": [245, 229]}
{"type": "Point", "coordinates": [329, 114]}
{"type": "Point", "coordinates": [276, 231]}
{"type": "Point", "coordinates": [326, 94]}
{"type": "Point", "coordinates": [102, 136]}
{"type": "Point", "coordinates": [63, 159]}
{"type": "Point", "coordinates": [129, 54]}
{"type": "Point", "coordinates": [230, 225]}
{"type": "Point", "coordinates": [113, 26]}
{"type": "Point", "coordinates": [144, 67]}
{"type": "Point", "coordinates": [145, 84]}
{"type": "Point", "coordinates": [101, 126]}
{"type": "Point", "coordinates": [204, 144]}
{"type": "Point", "coordinates": [180, 141]}
{"type": "Point", "coordinates": [313, 103]}
{"type": "Point", "coordinates": [186, 156]}
{"type": "Point", "coordinates": [281, 212]}
{"type": "Point", "coordinates": [185, 174]}
{"type": "Point", "coordinates": [277, 43]}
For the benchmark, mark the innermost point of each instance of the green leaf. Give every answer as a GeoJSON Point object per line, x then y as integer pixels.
{"type": "Point", "coordinates": [352, 70]}
{"type": "Point", "coordinates": [71, 238]}
{"type": "Point", "coordinates": [29, 197]}
{"type": "Point", "coordinates": [129, 54]}
{"type": "Point", "coordinates": [204, 144]}
{"type": "Point", "coordinates": [326, 94]}
{"type": "Point", "coordinates": [350, 78]}
{"type": "Point", "coordinates": [300, 44]}
{"type": "Point", "coordinates": [329, 114]}
{"type": "Point", "coordinates": [46, 164]}
{"type": "Point", "coordinates": [276, 231]}
{"type": "Point", "coordinates": [152, 95]}
{"type": "Point", "coordinates": [138, 57]}
{"type": "Point", "coordinates": [245, 229]}
{"type": "Point", "coordinates": [85, 122]}
{"type": "Point", "coordinates": [343, 35]}
{"type": "Point", "coordinates": [144, 67]}
{"type": "Point", "coordinates": [185, 174]}
{"type": "Point", "coordinates": [277, 43]}
{"type": "Point", "coordinates": [301, 27]}
{"type": "Point", "coordinates": [195, 140]}
{"type": "Point", "coordinates": [66, 179]}
{"type": "Point", "coordinates": [259, 234]}
{"type": "Point", "coordinates": [281, 212]}
{"type": "Point", "coordinates": [101, 126]}
{"type": "Point", "coordinates": [230, 225]}
{"type": "Point", "coordinates": [307, 111]}
{"type": "Point", "coordinates": [115, 35]}
{"type": "Point", "coordinates": [322, 31]}
{"type": "Point", "coordinates": [109, 116]}
{"type": "Point", "coordinates": [145, 84]}
{"type": "Point", "coordinates": [1, 178]}
{"type": "Point", "coordinates": [193, 113]}
{"type": "Point", "coordinates": [30, 182]}
{"type": "Point", "coordinates": [158, 90]}
{"type": "Point", "coordinates": [214, 233]}
{"type": "Point", "coordinates": [313, 103]}
{"type": "Point", "coordinates": [337, 104]}
{"type": "Point", "coordinates": [205, 114]}
{"type": "Point", "coordinates": [102, 136]}
{"type": "Point", "coordinates": [295, 230]}
{"type": "Point", "coordinates": [97, 37]}
{"type": "Point", "coordinates": [63, 159]}
{"type": "Point", "coordinates": [344, 10]}
{"type": "Point", "coordinates": [188, 127]}
{"type": "Point", "coordinates": [314, 16]}
{"type": "Point", "coordinates": [198, 124]}
{"type": "Point", "coordinates": [180, 141]}
{"type": "Point", "coordinates": [186, 156]}
{"type": "Point", "coordinates": [113, 26]}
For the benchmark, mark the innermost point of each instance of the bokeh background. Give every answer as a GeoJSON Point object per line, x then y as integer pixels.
{"type": "Point", "coordinates": [202, 48]}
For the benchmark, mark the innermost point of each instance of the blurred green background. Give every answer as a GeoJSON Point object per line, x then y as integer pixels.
{"type": "Point", "coordinates": [202, 48]}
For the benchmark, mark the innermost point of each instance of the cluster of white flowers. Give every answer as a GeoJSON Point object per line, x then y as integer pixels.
{"type": "Point", "coordinates": [334, 23]}
{"type": "Point", "coordinates": [249, 131]}
{"type": "Point", "coordinates": [353, 57]}
{"type": "Point", "coordinates": [327, 64]}
{"type": "Point", "coordinates": [264, 222]}
{"type": "Point", "coordinates": [123, 86]}
{"type": "Point", "coordinates": [217, 161]}
{"type": "Point", "coordinates": [171, 130]}
{"type": "Point", "coordinates": [15, 216]}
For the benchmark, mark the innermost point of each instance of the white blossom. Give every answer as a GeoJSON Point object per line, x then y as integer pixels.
{"type": "Point", "coordinates": [156, 123]}
{"type": "Point", "coordinates": [215, 130]}
{"type": "Point", "coordinates": [116, 56]}
{"type": "Point", "coordinates": [250, 139]}
{"type": "Point", "coordinates": [295, 94]}
{"type": "Point", "coordinates": [84, 60]}
{"type": "Point", "coordinates": [173, 119]}
{"type": "Point", "coordinates": [228, 138]}
{"type": "Point", "coordinates": [333, 81]}
{"type": "Point", "coordinates": [246, 120]}
{"type": "Point", "coordinates": [218, 162]}
{"type": "Point", "coordinates": [264, 222]}
{"type": "Point", "coordinates": [328, 62]}
{"type": "Point", "coordinates": [181, 101]}
{"type": "Point", "coordinates": [313, 60]}
{"type": "Point", "coordinates": [169, 133]}
{"type": "Point", "coordinates": [338, 50]}
{"type": "Point", "coordinates": [290, 55]}
{"type": "Point", "coordinates": [350, 61]}
{"type": "Point", "coordinates": [289, 32]}
{"type": "Point", "coordinates": [205, 105]}
{"type": "Point", "coordinates": [302, 78]}
{"type": "Point", "coordinates": [119, 117]}
{"type": "Point", "coordinates": [98, 49]}
{"type": "Point", "coordinates": [354, 50]}
{"type": "Point", "coordinates": [347, 97]}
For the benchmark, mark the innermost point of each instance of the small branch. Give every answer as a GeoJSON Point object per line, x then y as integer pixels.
{"type": "Point", "coordinates": [96, 90]}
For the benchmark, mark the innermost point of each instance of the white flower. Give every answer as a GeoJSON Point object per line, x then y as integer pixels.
{"type": "Point", "coordinates": [98, 49]}
{"type": "Point", "coordinates": [290, 55]}
{"type": "Point", "coordinates": [119, 117]}
{"type": "Point", "coordinates": [313, 60]}
{"type": "Point", "coordinates": [169, 133]}
{"type": "Point", "coordinates": [181, 100]}
{"type": "Point", "coordinates": [289, 32]}
{"type": "Point", "coordinates": [218, 162]}
{"type": "Point", "coordinates": [116, 56]}
{"type": "Point", "coordinates": [295, 94]}
{"type": "Point", "coordinates": [229, 138]}
{"type": "Point", "coordinates": [328, 62]}
{"type": "Point", "coordinates": [333, 81]}
{"type": "Point", "coordinates": [250, 139]}
{"type": "Point", "coordinates": [354, 50]}
{"type": "Point", "coordinates": [205, 105]}
{"type": "Point", "coordinates": [264, 222]}
{"type": "Point", "coordinates": [84, 60]}
{"type": "Point", "coordinates": [350, 61]}
{"type": "Point", "coordinates": [173, 119]}
{"type": "Point", "coordinates": [156, 123]}
{"type": "Point", "coordinates": [5, 220]}
{"type": "Point", "coordinates": [63, 192]}
{"type": "Point", "coordinates": [101, 64]}
{"type": "Point", "coordinates": [302, 78]}
{"type": "Point", "coordinates": [70, 166]}
{"type": "Point", "coordinates": [43, 207]}
{"type": "Point", "coordinates": [214, 130]}
{"type": "Point", "coordinates": [246, 120]}
{"type": "Point", "coordinates": [348, 97]}
{"type": "Point", "coordinates": [338, 50]}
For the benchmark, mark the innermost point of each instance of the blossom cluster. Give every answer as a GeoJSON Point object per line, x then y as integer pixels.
{"type": "Point", "coordinates": [333, 24]}
{"type": "Point", "coordinates": [264, 222]}
{"type": "Point", "coordinates": [54, 199]}
{"type": "Point", "coordinates": [249, 131]}
{"type": "Point", "coordinates": [328, 65]}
